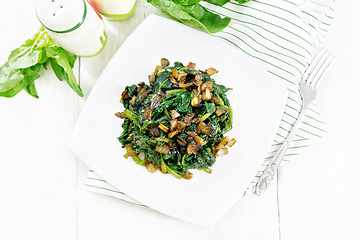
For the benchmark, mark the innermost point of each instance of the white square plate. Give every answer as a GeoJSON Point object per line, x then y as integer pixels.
{"type": "Point", "coordinates": [258, 103]}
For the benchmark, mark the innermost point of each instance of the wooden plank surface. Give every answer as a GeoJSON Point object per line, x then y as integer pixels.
{"type": "Point", "coordinates": [41, 181]}
{"type": "Point", "coordinates": [38, 173]}
{"type": "Point", "coordinates": [319, 194]}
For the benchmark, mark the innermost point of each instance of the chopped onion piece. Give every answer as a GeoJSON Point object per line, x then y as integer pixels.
{"type": "Point", "coordinates": [206, 94]}
{"type": "Point", "coordinates": [223, 142]}
{"type": "Point", "coordinates": [151, 167]}
{"type": "Point", "coordinates": [216, 100]}
{"type": "Point", "coordinates": [187, 176]}
{"type": "Point", "coordinates": [173, 123]}
{"type": "Point", "coordinates": [180, 125]}
{"type": "Point", "coordinates": [231, 142]}
{"type": "Point", "coordinates": [211, 71]}
{"type": "Point", "coordinates": [147, 113]}
{"type": "Point", "coordinates": [174, 114]}
{"type": "Point", "coordinates": [208, 85]}
{"type": "Point", "coordinates": [200, 127]}
{"type": "Point", "coordinates": [191, 65]}
{"type": "Point", "coordinates": [164, 148]}
{"type": "Point", "coordinates": [188, 117]}
{"type": "Point", "coordinates": [133, 101]}
{"type": "Point", "coordinates": [222, 152]}
{"type": "Point", "coordinates": [192, 149]}
{"type": "Point", "coordinates": [175, 73]}
{"type": "Point", "coordinates": [219, 111]}
{"type": "Point", "coordinates": [130, 152]}
{"type": "Point", "coordinates": [125, 94]}
{"type": "Point", "coordinates": [191, 134]}
{"type": "Point", "coordinates": [181, 141]}
{"type": "Point", "coordinates": [172, 134]}
{"type": "Point", "coordinates": [163, 127]}
{"type": "Point", "coordinates": [200, 141]}
{"type": "Point", "coordinates": [196, 101]}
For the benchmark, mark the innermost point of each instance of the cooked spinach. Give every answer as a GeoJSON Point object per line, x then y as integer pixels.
{"type": "Point", "coordinates": [178, 121]}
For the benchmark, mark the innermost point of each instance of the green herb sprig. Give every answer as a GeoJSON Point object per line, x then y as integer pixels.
{"type": "Point", "coordinates": [24, 63]}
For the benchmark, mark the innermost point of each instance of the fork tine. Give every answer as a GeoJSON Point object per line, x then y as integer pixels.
{"type": "Point", "coordinates": [318, 62]}
{"type": "Point", "coordinates": [322, 70]}
{"type": "Point", "coordinates": [313, 64]}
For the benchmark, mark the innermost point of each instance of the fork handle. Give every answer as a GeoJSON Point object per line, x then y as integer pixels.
{"type": "Point", "coordinates": [268, 175]}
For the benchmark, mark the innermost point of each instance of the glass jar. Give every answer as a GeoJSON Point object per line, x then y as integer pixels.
{"type": "Point", "coordinates": [74, 24]}
{"type": "Point", "coordinates": [115, 10]}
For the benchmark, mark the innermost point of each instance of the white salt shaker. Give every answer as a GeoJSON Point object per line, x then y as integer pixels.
{"type": "Point", "coordinates": [74, 24]}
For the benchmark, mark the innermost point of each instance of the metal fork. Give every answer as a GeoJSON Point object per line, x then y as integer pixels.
{"type": "Point", "coordinates": [308, 86]}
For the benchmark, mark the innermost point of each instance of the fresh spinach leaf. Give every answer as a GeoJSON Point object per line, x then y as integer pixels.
{"type": "Point", "coordinates": [193, 14]}
{"type": "Point", "coordinates": [218, 2]}
{"type": "Point", "coordinates": [65, 62]}
{"type": "Point", "coordinates": [24, 63]}
{"type": "Point", "coordinates": [186, 2]}
{"type": "Point", "coordinates": [31, 74]}
{"type": "Point", "coordinates": [201, 19]}
{"type": "Point", "coordinates": [9, 78]}
{"type": "Point", "coordinates": [211, 21]}
{"type": "Point", "coordinates": [58, 70]}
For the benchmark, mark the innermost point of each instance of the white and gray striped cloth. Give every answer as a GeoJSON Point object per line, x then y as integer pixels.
{"type": "Point", "coordinates": [281, 35]}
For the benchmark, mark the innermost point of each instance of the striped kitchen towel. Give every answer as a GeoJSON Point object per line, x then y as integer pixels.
{"type": "Point", "coordinates": [281, 35]}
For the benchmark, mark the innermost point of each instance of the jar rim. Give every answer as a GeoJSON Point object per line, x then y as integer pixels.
{"type": "Point", "coordinates": [70, 29]}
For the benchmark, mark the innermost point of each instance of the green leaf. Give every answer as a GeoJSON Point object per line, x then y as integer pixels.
{"type": "Point", "coordinates": [70, 57]}
{"type": "Point", "coordinates": [9, 78]}
{"type": "Point", "coordinates": [209, 107]}
{"type": "Point", "coordinates": [15, 89]}
{"type": "Point", "coordinates": [162, 81]}
{"type": "Point", "coordinates": [31, 74]}
{"type": "Point", "coordinates": [62, 59]}
{"type": "Point", "coordinates": [223, 2]}
{"type": "Point", "coordinates": [46, 63]}
{"type": "Point", "coordinates": [131, 89]}
{"type": "Point", "coordinates": [184, 101]}
{"type": "Point", "coordinates": [58, 70]}
{"type": "Point", "coordinates": [186, 2]}
{"type": "Point", "coordinates": [212, 22]}
{"type": "Point", "coordinates": [30, 89]}
{"type": "Point", "coordinates": [31, 52]}
{"type": "Point", "coordinates": [23, 61]}
{"type": "Point", "coordinates": [218, 2]}
{"type": "Point", "coordinates": [194, 15]}
{"type": "Point", "coordinates": [25, 56]}
{"type": "Point", "coordinates": [24, 64]}
{"type": "Point", "coordinates": [27, 82]}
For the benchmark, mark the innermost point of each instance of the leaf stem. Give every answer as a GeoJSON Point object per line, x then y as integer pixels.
{"type": "Point", "coordinates": [175, 91]}
{"type": "Point", "coordinates": [42, 32]}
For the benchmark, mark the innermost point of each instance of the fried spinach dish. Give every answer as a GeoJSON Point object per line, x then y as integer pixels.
{"type": "Point", "coordinates": [178, 121]}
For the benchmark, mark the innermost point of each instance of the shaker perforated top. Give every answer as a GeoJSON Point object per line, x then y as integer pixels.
{"type": "Point", "coordinates": [61, 16]}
